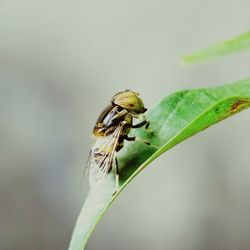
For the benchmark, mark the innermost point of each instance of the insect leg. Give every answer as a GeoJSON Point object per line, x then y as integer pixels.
{"type": "Point", "coordinates": [134, 138]}
{"type": "Point", "coordinates": [116, 174]}
{"type": "Point", "coordinates": [139, 124]}
{"type": "Point", "coordinates": [145, 122]}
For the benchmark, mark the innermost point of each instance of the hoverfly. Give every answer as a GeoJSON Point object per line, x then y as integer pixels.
{"type": "Point", "coordinates": [111, 129]}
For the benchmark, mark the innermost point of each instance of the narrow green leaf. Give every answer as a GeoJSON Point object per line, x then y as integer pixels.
{"type": "Point", "coordinates": [172, 120]}
{"type": "Point", "coordinates": [220, 49]}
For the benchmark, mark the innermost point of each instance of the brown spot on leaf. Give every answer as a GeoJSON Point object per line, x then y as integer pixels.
{"type": "Point", "coordinates": [235, 107]}
{"type": "Point", "coordinates": [239, 105]}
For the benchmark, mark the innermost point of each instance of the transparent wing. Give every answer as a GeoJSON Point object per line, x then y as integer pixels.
{"type": "Point", "coordinates": [101, 156]}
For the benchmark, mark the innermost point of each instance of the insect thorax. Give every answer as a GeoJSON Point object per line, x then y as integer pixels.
{"type": "Point", "coordinates": [110, 119]}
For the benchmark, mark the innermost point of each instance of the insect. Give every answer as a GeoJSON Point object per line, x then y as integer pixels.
{"type": "Point", "coordinates": [110, 131]}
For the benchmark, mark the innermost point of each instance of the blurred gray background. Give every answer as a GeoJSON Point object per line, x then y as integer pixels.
{"type": "Point", "coordinates": [60, 63]}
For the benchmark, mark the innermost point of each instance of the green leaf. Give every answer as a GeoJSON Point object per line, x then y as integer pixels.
{"type": "Point", "coordinates": [172, 120]}
{"type": "Point", "coordinates": [232, 45]}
